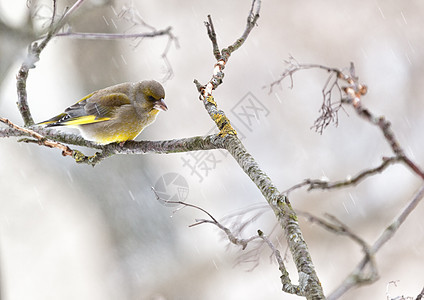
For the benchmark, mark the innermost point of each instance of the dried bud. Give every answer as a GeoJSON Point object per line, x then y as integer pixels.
{"type": "Point", "coordinates": [363, 89]}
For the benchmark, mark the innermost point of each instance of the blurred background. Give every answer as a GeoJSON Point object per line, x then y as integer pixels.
{"type": "Point", "coordinates": [71, 231]}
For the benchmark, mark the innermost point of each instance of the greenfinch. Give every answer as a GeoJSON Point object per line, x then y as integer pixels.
{"type": "Point", "coordinates": [114, 114]}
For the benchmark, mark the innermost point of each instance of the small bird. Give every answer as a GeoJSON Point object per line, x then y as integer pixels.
{"type": "Point", "coordinates": [114, 114]}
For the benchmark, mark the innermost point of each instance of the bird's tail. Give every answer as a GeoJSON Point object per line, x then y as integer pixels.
{"type": "Point", "coordinates": [55, 121]}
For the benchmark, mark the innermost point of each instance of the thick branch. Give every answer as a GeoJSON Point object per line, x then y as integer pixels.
{"type": "Point", "coordinates": [130, 147]}
{"type": "Point", "coordinates": [309, 284]}
{"type": "Point", "coordinates": [308, 279]}
{"type": "Point", "coordinates": [142, 147]}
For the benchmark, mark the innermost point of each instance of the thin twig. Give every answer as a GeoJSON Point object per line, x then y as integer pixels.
{"type": "Point", "coordinates": [354, 91]}
{"type": "Point", "coordinates": [314, 184]}
{"type": "Point", "coordinates": [212, 37]}
{"type": "Point", "coordinates": [336, 226]}
{"type": "Point", "coordinates": [288, 287]}
{"type": "Point", "coordinates": [329, 109]}
{"type": "Point", "coordinates": [132, 15]}
{"type": "Point", "coordinates": [120, 36]}
{"type": "Point", "coordinates": [226, 52]}
{"type": "Point", "coordinates": [294, 66]}
{"type": "Point", "coordinates": [352, 95]}
{"type": "Point", "coordinates": [113, 36]}
{"type": "Point", "coordinates": [250, 24]}
{"type": "Point", "coordinates": [171, 40]}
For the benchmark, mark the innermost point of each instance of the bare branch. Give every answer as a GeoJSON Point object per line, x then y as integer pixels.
{"type": "Point", "coordinates": [164, 55]}
{"type": "Point", "coordinates": [113, 36]}
{"type": "Point", "coordinates": [119, 36]}
{"type": "Point", "coordinates": [391, 230]}
{"type": "Point", "coordinates": [40, 140]}
{"type": "Point", "coordinates": [212, 37]}
{"type": "Point", "coordinates": [184, 204]}
{"type": "Point", "coordinates": [293, 66]}
{"type": "Point", "coordinates": [205, 91]}
{"type": "Point", "coordinates": [336, 226]}
{"type": "Point", "coordinates": [53, 134]}
{"type": "Point", "coordinates": [132, 15]}
{"type": "Point", "coordinates": [129, 147]}
{"type": "Point", "coordinates": [250, 24]}
{"type": "Point", "coordinates": [33, 56]}
{"type": "Point", "coordinates": [309, 284]}
{"type": "Point", "coordinates": [385, 127]}
{"type": "Point", "coordinates": [329, 109]}
{"type": "Point", "coordinates": [358, 277]}
{"type": "Point", "coordinates": [226, 52]}
{"type": "Point", "coordinates": [421, 295]}
{"type": "Point", "coordinates": [36, 48]}
{"type": "Point", "coordinates": [142, 147]}
{"type": "Point", "coordinates": [288, 287]}
{"type": "Point", "coordinates": [352, 94]}
{"type": "Point", "coordinates": [314, 184]}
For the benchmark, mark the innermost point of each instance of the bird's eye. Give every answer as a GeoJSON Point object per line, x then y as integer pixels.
{"type": "Point", "coordinates": [151, 98]}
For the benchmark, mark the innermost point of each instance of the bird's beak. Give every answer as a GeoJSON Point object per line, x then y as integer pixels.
{"type": "Point", "coordinates": [160, 105]}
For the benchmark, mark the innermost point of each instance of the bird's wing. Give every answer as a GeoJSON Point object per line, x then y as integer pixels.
{"type": "Point", "coordinates": [96, 107]}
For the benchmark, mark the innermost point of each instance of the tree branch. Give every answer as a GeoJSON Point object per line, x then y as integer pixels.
{"type": "Point", "coordinates": [288, 287]}
{"type": "Point", "coordinates": [420, 295]}
{"type": "Point", "coordinates": [351, 94]}
{"type": "Point", "coordinates": [130, 14]}
{"type": "Point", "coordinates": [314, 184]}
{"type": "Point", "coordinates": [33, 56]}
{"type": "Point", "coordinates": [46, 135]}
{"type": "Point", "coordinates": [40, 140]}
{"type": "Point", "coordinates": [114, 36]}
{"type": "Point", "coordinates": [309, 284]}
{"type": "Point", "coordinates": [212, 37]}
{"type": "Point", "coordinates": [209, 142]}
{"type": "Point", "coordinates": [358, 277]}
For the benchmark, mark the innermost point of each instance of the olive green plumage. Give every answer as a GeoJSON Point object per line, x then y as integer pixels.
{"type": "Point", "coordinates": [114, 114]}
